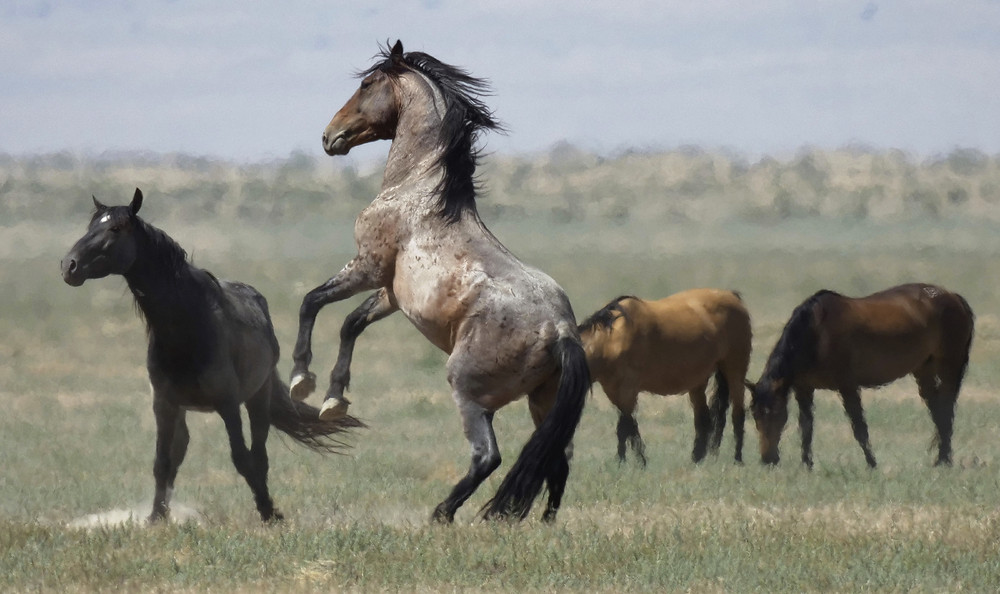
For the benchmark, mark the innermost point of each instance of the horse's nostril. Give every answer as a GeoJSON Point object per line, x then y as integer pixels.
{"type": "Point", "coordinates": [324, 139]}
{"type": "Point", "coordinates": [72, 266]}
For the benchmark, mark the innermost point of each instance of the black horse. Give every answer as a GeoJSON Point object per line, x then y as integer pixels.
{"type": "Point", "coordinates": [211, 348]}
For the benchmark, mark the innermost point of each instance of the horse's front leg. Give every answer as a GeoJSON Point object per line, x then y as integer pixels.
{"type": "Point", "coordinates": [804, 397]}
{"type": "Point", "coordinates": [852, 406]}
{"type": "Point", "coordinates": [378, 306]}
{"type": "Point", "coordinates": [168, 458]}
{"type": "Point", "coordinates": [349, 281]}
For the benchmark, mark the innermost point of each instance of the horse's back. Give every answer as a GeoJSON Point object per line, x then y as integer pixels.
{"type": "Point", "coordinates": [697, 315]}
{"type": "Point", "coordinates": [879, 338]}
{"type": "Point", "coordinates": [672, 344]}
{"type": "Point", "coordinates": [253, 348]}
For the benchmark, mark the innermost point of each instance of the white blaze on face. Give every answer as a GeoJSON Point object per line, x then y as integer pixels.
{"type": "Point", "coordinates": [105, 218]}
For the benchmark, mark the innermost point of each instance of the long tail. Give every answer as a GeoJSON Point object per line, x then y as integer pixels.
{"type": "Point", "coordinates": [970, 322]}
{"type": "Point", "coordinates": [548, 443]}
{"type": "Point", "coordinates": [301, 422]}
{"type": "Point", "coordinates": [718, 406]}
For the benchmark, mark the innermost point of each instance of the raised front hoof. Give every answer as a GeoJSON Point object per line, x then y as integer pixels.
{"type": "Point", "coordinates": [333, 409]}
{"type": "Point", "coordinates": [302, 385]}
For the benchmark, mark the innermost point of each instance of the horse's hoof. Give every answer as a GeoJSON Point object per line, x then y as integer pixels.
{"type": "Point", "coordinates": [303, 384]}
{"type": "Point", "coordinates": [441, 515]}
{"type": "Point", "coordinates": [333, 409]}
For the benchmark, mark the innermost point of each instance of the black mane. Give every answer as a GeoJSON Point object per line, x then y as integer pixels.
{"type": "Point", "coordinates": [466, 116]}
{"type": "Point", "coordinates": [796, 348]}
{"type": "Point", "coordinates": [604, 317]}
{"type": "Point", "coordinates": [175, 299]}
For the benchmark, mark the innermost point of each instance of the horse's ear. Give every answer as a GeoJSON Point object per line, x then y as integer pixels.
{"type": "Point", "coordinates": [97, 203]}
{"type": "Point", "coordinates": [397, 51]}
{"type": "Point", "coordinates": [136, 202]}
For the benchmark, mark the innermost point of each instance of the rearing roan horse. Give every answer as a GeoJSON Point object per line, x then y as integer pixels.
{"type": "Point", "coordinates": [834, 342]}
{"type": "Point", "coordinates": [508, 328]}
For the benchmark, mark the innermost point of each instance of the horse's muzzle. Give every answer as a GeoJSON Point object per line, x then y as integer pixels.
{"type": "Point", "coordinates": [70, 269]}
{"type": "Point", "coordinates": [337, 145]}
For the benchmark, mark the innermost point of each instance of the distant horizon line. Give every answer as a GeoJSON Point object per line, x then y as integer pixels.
{"type": "Point", "coordinates": [568, 147]}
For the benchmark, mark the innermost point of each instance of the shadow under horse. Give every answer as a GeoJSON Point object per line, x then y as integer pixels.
{"type": "Point", "coordinates": [508, 328]}
{"type": "Point", "coordinates": [670, 346]}
{"type": "Point", "coordinates": [833, 342]}
{"type": "Point", "coordinates": [211, 348]}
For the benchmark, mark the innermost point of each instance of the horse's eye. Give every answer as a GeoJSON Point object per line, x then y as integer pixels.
{"type": "Point", "coordinates": [116, 229]}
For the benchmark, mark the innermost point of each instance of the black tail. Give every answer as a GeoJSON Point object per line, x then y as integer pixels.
{"type": "Point", "coordinates": [717, 409]}
{"type": "Point", "coordinates": [301, 422]}
{"type": "Point", "coordinates": [969, 320]}
{"type": "Point", "coordinates": [547, 446]}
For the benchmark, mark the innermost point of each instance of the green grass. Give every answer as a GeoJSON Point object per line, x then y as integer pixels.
{"type": "Point", "coordinates": [77, 436]}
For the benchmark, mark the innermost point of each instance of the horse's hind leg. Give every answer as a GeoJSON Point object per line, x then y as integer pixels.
{"type": "Point", "coordinates": [171, 446]}
{"type": "Point", "coordinates": [251, 464]}
{"type": "Point", "coordinates": [939, 391]}
{"type": "Point", "coordinates": [852, 406]}
{"type": "Point", "coordinates": [478, 425]}
{"type": "Point", "coordinates": [540, 404]}
{"type": "Point", "coordinates": [376, 307]}
{"type": "Point", "coordinates": [804, 398]}
{"type": "Point", "coordinates": [702, 423]}
{"type": "Point", "coordinates": [718, 406]}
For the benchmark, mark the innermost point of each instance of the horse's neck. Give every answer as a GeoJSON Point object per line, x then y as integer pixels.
{"type": "Point", "coordinates": [172, 303]}
{"type": "Point", "coordinates": [413, 166]}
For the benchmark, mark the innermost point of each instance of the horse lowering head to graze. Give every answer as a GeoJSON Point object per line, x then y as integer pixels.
{"type": "Point", "coordinates": [671, 346]}
{"type": "Point", "coordinates": [508, 329]}
{"type": "Point", "coordinates": [833, 342]}
{"type": "Point", "coordinates": [211, 348]}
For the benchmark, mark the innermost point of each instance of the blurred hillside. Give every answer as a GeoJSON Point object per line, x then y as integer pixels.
{"type": "Point", "coordinates": [564, 185]}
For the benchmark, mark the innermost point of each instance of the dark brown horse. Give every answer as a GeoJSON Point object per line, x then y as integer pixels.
{"type": "Point", "coordinates": [832, 342]}
{"type": "Point", "coordinates": [508, 328]}
{"type": "Point", "coordinates": [671, 346]}
{"type": "Point", "coordinates": [211, 348]}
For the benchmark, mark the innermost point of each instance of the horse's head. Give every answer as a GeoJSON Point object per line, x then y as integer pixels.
{"type": "Point", "coordinates": [108, 246]}
{"type": "Point", "coordinates": [769, 407]}
{"type": "Point", "coordinates": [371, 113]}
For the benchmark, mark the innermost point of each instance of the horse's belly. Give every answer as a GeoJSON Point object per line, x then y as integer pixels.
{"type": "Point", "coordinates": [437, 303]}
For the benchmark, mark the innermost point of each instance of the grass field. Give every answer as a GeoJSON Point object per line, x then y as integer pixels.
{"type": "Point", "coordinates": [77, 434]}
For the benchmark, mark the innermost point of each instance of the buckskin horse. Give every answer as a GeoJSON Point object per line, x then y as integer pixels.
{"type": "Point", "coordinates": [211, 348]}
{"type": "Point", "coordinates": [833, 342]}
{"type": "Point", "coordinates": [670, 346]}
{"type": "Point", "coordinates": [508, 328]}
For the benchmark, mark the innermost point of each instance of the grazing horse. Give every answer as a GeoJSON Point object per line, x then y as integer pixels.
{"type": "Point", "coordinates": [508, 328]}
{"type": "Point", "coordinates": [832, 342]}
{"type": "Point", "coordinates": [671, 346]}
{"type": "Point", "coordinates": [211, 348]}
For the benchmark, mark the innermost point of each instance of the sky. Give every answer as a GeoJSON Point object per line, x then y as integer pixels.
{"type": "Point", "coordinates": [258, 80]}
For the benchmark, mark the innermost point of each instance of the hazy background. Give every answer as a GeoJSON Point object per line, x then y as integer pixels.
{"type": "Point", "coordinates": [258, 80]}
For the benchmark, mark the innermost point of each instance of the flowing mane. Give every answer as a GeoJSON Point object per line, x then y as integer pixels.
{"type": "Point", "coordinates": [466, 116]}
{"type": "Point", "coordinates": [173, 297]}
{"type": "Point", "coordinates": [796, 348]}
